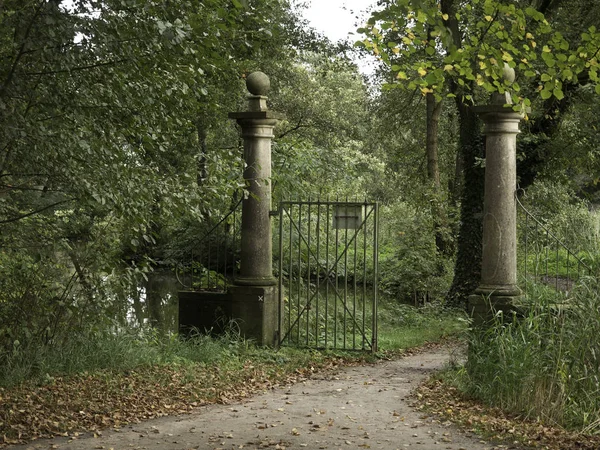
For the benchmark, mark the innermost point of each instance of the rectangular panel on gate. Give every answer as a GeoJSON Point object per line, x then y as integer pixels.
{"type": "Point", "coordinates": [328, 274]}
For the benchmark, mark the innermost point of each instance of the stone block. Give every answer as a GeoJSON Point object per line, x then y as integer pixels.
{"type": "Point", "coordinates": [483, 308]}
{"type": "Point", "coordinates": [205, 312]}
{"type": "Point", "coordinates": [256, 311]}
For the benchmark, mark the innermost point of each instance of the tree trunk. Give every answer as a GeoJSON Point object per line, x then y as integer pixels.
{"type": "Point", "coordinates": [440, 219]}
{"type": "Point", "coordinates": [467, 269]}
{"type": "Point", "coordinates": [467, 272]}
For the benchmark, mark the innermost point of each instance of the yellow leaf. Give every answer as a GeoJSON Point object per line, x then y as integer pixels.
{"type": "Point", "coordinates": [529, 36]}
{"type": "Point", "coordinates": [445, 16]}
{"type": "Point", "coordinates": [396, 50]}
{"type": "Point", "coordinates": [482, 65]}
{"type": "Point", "coordinates": [401, 76]}
{"type": "Point", "coordinates": [422, 71]}
{"type": "Point", "coordinates": [493, 61]}
{"type": "Point", "coordinates": [489, 18]}
{"type": "Point", "coordinates": [448, 67]}
{"type": "Point", "coordinates": [533, 44]}
{"type": "Point", "coordinates": [546, 49]}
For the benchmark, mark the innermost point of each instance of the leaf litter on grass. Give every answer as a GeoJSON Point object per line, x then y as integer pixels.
{"type": "Point", "coordinates": [90, 402]}
{"type": "Point", "coordinates": [446, 401]}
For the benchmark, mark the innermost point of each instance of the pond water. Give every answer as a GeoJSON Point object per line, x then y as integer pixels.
{"type": "Point", "coordinates": [155, 302]}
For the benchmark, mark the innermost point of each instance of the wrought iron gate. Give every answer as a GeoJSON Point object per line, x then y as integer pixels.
{"type": "Point", "coordinates": [328, 259]}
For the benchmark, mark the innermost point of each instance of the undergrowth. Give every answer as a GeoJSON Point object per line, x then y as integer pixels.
{"type": "Point", "coordinates": [403, 326]}
{"type": "Point", "coordinates": [107, 379]}
{"type": "Point", "coordinates": [545, 365]}
{"type": "Point", "coordinates": [400, 327]}
{"type": "Point", "coordinates": [116, 351]}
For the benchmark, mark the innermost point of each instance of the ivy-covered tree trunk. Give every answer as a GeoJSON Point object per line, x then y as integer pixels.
{"type": "Point", "coordinates": [440, 218]}
{"type": "Point", "coordinates": [467, 270]}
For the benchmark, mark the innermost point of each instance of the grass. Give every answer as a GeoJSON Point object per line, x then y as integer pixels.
{"type": "Point", "coordinates": [400, 327]}
{"type": "Point", "coordinates": [403, 327]}
{"type": "Point", "coordinates": [545, 365]}
{"type": "Point", "coordinates": [108, 379]}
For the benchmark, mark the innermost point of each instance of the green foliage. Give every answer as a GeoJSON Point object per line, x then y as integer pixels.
{"type": "Point", "coordinates": [477, 39]}
{"type": "Point", "coordinates": [544, 365]}
{"type": "Point", "coordinates": [409, 264]}
{"type": "Point", "coordinates": [319, 149]}
{"type": "Point", "coordinates": [109, 111]}
{"type": "Point", "coordinates": [403, 326]}
{"type": "Point", "coordinates": [118, 351]}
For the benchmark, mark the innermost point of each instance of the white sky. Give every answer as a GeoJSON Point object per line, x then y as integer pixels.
{"type": "Point", "coordinates": [337, 18]}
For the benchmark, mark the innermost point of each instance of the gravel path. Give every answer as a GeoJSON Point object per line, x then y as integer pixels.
{"type": "Point", "coordinates": [358, 407]}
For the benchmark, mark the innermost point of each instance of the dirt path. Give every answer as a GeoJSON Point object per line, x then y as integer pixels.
{"type": "Point", "coordinates": [359, 407]}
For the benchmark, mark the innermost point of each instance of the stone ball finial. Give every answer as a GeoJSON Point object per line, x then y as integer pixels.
{"type": "Point", "coordinates": [508, 73]}
{"type": "Point", "coordinates": [258, 83]}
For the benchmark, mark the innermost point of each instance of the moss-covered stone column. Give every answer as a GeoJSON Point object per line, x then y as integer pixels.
{"type": "Point", "coordinates": [498, 288]}
{"type": "Point", "coordinates": [254, 296]}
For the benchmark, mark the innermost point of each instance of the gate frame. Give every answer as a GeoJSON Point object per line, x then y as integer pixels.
{"type": "Point", "coordinates": [373, 214]}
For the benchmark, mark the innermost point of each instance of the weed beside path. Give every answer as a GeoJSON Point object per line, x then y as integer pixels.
{"type": "Point", "coordinates": [442, 399]}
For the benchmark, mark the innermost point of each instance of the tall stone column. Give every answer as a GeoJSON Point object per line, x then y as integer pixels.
{"type": "Point", "coordinates": [498, 288]}
{"type": "Point", "coordinates": [254, 296]}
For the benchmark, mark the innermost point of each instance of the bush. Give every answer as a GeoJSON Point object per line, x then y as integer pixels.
{"type": "Point", "coordinates": [408, 262]}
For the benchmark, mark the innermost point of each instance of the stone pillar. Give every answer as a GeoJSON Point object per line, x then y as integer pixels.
{"type": "Point", "coordinates": [498, 288]}
{"type": "Point", "coordinates": [254, 296]}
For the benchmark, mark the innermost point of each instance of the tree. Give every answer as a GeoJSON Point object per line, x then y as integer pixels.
{"type": "Point", "coordinates": [101, 104]}
{"type": "Point", "coordinates": [453, 52]}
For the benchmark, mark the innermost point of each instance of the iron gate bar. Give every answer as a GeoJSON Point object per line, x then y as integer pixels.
{"type": "Point", "coordinates": [328, 270]}
{"type": "Point", "coordinates": [299, 267]}
{"type": "Point", "coordinates": [308, 277]}
{"type": "Point", "coordinates": [336, 288]}
{"type": "Point", "coordinates": [317, 278]}
{"type": "Point", "coordinates": [542, 251]}
{"type": "Point", "coordinates": [375, 274]}
{"type": "Point", "coordinates": [327, 284]}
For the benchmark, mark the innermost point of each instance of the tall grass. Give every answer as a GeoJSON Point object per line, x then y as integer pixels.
{"type": "Point", "coordinates": [119, 351]}
{"type": "Point", "coordinates": [545, 365]}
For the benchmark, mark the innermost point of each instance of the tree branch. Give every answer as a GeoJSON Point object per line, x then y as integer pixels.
{"type": "Point", "coordinates": [23, 216]}
{"type": "Point", "coordinates": [291, 130]}
{"type": "Point", "coordinates": [76, 69]}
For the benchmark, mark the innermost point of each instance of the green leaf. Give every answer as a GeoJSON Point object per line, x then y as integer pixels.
{"type": "Point", "coordinates": [558, 93]}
